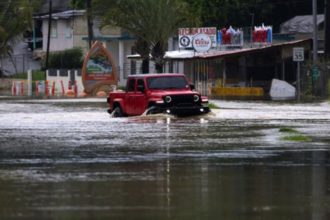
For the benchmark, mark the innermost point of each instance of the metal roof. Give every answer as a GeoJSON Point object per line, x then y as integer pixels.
{"type": "Point", "coordinates": [300, 24]}
{"type": "Point", "coordinates": [185, 54]}
{"type": "Point", "coordinates": [57, 6]}
{"type": "Point", "coordinates": [62, 15]}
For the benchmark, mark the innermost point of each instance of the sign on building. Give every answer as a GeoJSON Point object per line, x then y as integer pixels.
{"type": "Point", "coordinates": [201, 43]}
{"type": "Point", "coordinates": [186, 36]}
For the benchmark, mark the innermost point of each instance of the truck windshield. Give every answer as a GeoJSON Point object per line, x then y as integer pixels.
{"type": "Point", "coordinates": [166, 82]}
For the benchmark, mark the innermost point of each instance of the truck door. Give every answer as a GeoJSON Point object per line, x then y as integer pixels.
{"type": "Point", "coordinates": [140, 100]}
{"type": "Point", "coordinates": [129, 98]}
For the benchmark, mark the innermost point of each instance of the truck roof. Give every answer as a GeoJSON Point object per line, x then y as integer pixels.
{"type": "Point", "coordinates": [154, 75]}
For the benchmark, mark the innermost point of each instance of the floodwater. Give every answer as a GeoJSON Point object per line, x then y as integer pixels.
{"type": "Point", "coordinates": [66, 159]}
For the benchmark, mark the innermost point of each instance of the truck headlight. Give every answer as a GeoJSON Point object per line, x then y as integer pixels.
{"type": "Point", "coordinates": [168, 99]}
{"type": "Point", "coordinates": [196, 98]}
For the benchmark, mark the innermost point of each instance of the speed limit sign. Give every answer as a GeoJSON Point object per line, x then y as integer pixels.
{"type": "Point", "coordinates": [298, 54]}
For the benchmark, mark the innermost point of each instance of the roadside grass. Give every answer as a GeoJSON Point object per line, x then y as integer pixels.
{"type": "Point", "coordinates": [291, 134]}
{"type": "Point", "coordinates": [296, 138]}
{"type": "Point", "coordinates": [288, 130]}
{"type": "Point", "coordinates": [213, 106]}
{"type": "Point", "coordinates": [36, 75]}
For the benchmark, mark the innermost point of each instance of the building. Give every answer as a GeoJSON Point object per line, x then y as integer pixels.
{"type": "Point", "coordinates": [246, 71]}
{"type": "Point", "coordinates": [69, 30]}
{"type": "Point", "coordinates": [301, 27]}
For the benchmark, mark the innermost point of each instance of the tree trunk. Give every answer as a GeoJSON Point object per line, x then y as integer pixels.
{"type": "Point", "coordinates": [158, 52]}
{"type": "Point", "coordinates": [142, 48]}
{"type": "Point", "coordinates": [145, 66]}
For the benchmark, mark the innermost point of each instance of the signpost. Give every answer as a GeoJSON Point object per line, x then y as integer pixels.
{"type": "Point", "coordinates": [298, 56]}
{"type": "Point", "coordinates": [99, 70]}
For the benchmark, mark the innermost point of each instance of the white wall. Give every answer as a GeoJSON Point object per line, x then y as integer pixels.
{"type": "Point", "coordinates": [61, 35]}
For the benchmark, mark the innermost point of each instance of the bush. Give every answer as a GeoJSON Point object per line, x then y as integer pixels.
{"type": "Point", "coordinates": [36, 75]}
{"type": "Point", "coordinates": [67, 59]}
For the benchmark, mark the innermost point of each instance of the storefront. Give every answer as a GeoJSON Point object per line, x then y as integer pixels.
{"type": "Point", "coordinates": [237, 72]}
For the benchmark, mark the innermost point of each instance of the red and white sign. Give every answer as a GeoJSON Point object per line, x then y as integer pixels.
{"type": "Point", "coordinates": [186, 36]}
{"type": "Point", "coordinates": [201, 43]}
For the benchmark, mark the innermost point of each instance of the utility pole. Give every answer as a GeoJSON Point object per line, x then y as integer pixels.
{"type": "Point", "coordinates": [89, 23]}
{"type": "Point", "coordinates": [49, 31]}
{"type": "Point", "coordinates": [315, 32]}
{"type": "Point", "coordinates": [327, 28]}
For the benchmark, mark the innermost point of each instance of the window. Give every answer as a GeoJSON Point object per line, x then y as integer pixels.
{"type": "Point", "coordinates": [140, 85]}
{"type": "Point", "coordinates": [131, 85]}
{"type": "Point", "coordinates": [177, 82]}
{"type": "Point", "coordinates": [68, 29]}
{"type": "Point", "coordinates": [53, 29]}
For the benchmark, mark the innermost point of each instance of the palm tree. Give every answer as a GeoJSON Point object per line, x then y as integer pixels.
{"type": "Point", "coordinates": [152, 22]}
{"type": "Point", "coordinates": [15, 18]}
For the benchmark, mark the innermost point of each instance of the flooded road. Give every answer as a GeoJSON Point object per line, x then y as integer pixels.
{"type": "Point", "coordinates": [65, 159]}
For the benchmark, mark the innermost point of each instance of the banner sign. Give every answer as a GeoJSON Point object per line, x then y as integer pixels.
{"type": "Point", "coordinates": [263, 35]}
{"type": "Point", "coordinates": [186, 36]}
{"type": "Point", "coordinates": [98, 68]}
{"type": "Point", "coordinates": [230, 37]}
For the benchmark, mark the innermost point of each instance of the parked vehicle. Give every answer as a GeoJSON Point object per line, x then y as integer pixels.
{"type": "Point", "coordinates": [157, 93]}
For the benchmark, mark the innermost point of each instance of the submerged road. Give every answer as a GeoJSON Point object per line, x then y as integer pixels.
{"type": "Point", "coordinates": [67, 159]}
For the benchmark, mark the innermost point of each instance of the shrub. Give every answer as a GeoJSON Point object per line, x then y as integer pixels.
{"type": "Point", "coordinates": [36, 75]}
{"type": "Point", "coordinates": [67, 59]}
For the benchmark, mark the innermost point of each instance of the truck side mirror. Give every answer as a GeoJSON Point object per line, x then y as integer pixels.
{"type": "Point", "coordinates": [192, 86]}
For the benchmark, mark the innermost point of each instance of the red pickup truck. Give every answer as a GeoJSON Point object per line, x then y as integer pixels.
{"type": "Point", "coordinates": [157, 93]}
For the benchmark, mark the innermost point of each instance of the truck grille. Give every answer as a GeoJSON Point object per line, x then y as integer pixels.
{"type": "Point", "coordinates": [182, 101]}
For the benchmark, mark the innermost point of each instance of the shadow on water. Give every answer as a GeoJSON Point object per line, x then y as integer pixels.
{"type": "Point", "coordinates": [64, 162]}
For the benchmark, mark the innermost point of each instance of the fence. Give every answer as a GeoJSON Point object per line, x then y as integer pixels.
{"type": "Point", "coordinates": [60, 82]}
{"type": "Point", "coordinates": [18, 63]}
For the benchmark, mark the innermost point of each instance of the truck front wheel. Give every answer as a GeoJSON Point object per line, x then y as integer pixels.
{"type": "Point", "coordinates": [117, 112]}
{"type": "Point", "coordinates": [152, 110]}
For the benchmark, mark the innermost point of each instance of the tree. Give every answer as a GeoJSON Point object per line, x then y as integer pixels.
{"type": "Point", "coordinates": [86, 4]}
{"type": "Point", "coordinates": [152, 22]}
{"type": "Point", "coordinates": [15, 18]}
{"type": "Point", "coordinates": [239, 13]}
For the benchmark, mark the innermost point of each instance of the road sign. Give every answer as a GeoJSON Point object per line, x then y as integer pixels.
{"type": "Point", "coordinates": [298, 54]}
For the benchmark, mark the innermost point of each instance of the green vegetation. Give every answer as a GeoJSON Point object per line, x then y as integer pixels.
{"type": "Point", "coordinates": [15, 19]}
{"type": "Point", "coordinates": [36, 75]}
{"type": "Point", "coordinates": [288, 130]}
{"type": "Point", "coordinates": [152, 22]}
{"type": "Point", "coordinates": [298, 138]}
{"type": "Point", "coordinates": [293, 135]}
{"type": "Point", "coordinates": [213, 106]}
{"type": "Point", "coordinates": [69, 59]}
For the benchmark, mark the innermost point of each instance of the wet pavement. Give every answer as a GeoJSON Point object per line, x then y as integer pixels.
{"type": "Point", "coordinates": [67, 159]}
